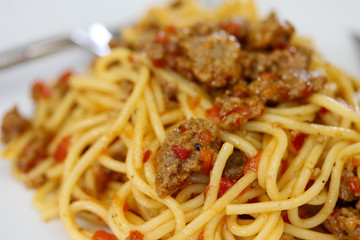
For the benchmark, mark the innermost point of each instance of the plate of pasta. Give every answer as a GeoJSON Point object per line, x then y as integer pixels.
{"type": "Point", "coordinates": [202, 123]}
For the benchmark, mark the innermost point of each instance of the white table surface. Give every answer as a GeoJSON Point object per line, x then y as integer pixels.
{"type": "Point", "coordinates": [329, 23]}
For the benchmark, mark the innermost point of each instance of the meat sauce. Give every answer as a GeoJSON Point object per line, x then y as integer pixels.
{"type": "Point", "coordinates": [192, 146]}
{"type": "Point", "coordinates": [249, 65]}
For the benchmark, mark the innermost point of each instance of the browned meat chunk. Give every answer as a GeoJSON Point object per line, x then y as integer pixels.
{"type": "Point", "coordinates": [214, 58]}
{"type": "Point", "coordinates": [271, 33]}
{"type": "Point", "coordinates": [346, 193]}
{"type": "Point", "coordinates": [235, 107]}
{"type": "Point", "coordinates": [13, 125]}
{"type": "Point", "coordinates": [34, 152]}
{"type": "Point", "coordinates": [117, 150]}
{"type": "Point", "coordinates": [203, 52]}
{"type": "Point", "coordinates": [282, 74]}
{"type": "Point", "coordinates": [234, 168]}
{"type": "Point", "coordinates": [344, 223]}
{"type": "Point", "coordinates": [191, 147]}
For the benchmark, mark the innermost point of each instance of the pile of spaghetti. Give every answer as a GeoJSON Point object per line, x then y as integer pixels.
{"type": "Point", "coordinates": [200, 124]}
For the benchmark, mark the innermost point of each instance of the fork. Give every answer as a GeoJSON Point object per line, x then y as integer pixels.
{"type": "Point", "coordinates": [94, 38]}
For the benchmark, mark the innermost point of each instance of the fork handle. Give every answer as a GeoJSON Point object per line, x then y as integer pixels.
{"type": "Point", "coordinates": [32, 51]}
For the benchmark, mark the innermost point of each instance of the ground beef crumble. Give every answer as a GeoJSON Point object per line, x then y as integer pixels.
{"type": "Point", "coordinates": [182, 153]}
{"type": "Point", "coordinates": [231, 53]}
{"type": "Point", "coordinates": [13, 125]}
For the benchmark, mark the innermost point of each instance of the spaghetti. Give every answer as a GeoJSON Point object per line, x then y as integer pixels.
{"type": "Point", "coordinates": [162, 140]}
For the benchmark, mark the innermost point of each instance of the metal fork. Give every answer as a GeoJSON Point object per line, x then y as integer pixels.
{"type": "Point", "coordinates": [94, 38]}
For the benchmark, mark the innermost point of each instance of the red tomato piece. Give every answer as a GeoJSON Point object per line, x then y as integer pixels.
{"type": "Point", "coordinates": [126, 206]}
{"type": "Point", "coordinates": [160, 63]}
{"type": "Point", "coordinates": [206, 156]}
{"type": "Point", "coordinates": [201, 236]}
{"type": "Point", "coordinates": [231, 27]}
{"type": "Point", "coordinates": [62, 149]}
{"type": "Point", "coordinates": [161, 38]}
{"type": "Point", "coordinates": [136, 235]}
{"type": "Point", "coordinates": [146, 156]}
{"type": "Point", "coordinates": [253, 163]}
{"type": "Point", "coordinates": [354, 184]}
{"type": "Point", "coordinates": [102, 235]}
{"type": "Point", "coordinates": [180, 152]}
{"type": "Point", "coordinates": [182, 128]}
{"type": "Point", "coordinates": [225, 185]}
{"type": "Point", "coordinates": [205, 137]}
{"type": "Point", "coordinates": [323, 110]}
{"type": "Point", "coordinates": [40, 89]}
{"type": "Point", "coordinates": [254, 200]}
{"type": "Point", "coordinates": [170, 29]}
{"type": "Point", "coordinates": [298, 140]}
{"type": "Point", "coordinates": [213, 114]}
{"type": "Point", "coordinates": [285, 217]}
{"type": "Point", "coordinates": [64, 77]}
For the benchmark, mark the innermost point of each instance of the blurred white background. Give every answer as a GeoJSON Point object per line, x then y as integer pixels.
{"type": "Point", "coordinates": [330, 23]}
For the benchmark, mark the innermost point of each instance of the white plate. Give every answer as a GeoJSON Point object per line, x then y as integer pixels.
{"type": "Point", "coordinates": [329, 23]}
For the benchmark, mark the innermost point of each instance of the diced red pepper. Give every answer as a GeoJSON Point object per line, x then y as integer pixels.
{"type": "Point", "coordinates": [253, 163]}
{"type": "Point", "coordinates": [180, 152]}
{"type": "Point", "coordinates": [135, 235]}
{"type": "Point", "coordinates": [182, 128]}
{"type": "Point", "coordinates": [354, 184]}
{"type": "Point", "coordinates": [225, 185]}
{"type": "Point", "coordinates": [323, 110]}
{"type": "Point", "coordinates": [204, 137]}
{"type": "Point", "coordinates": [284, 165]}
{"type": "Point", "coordinates": [214, 114]}
{"type": "Point", "coordinates": [62, 149]}
{"type": "Point", "coordinates": [282, 45]}
{"type": "Point", "coordinates": [147, 155]}
{"type": "Point", "coordinates": [285, 217]}
{"type": "Point", "coordinates": [170, 29]}
{"type": "Point", "coordinates": [161, 38]}
{"type": "Point", "coordinates": [206, 156]}
{"type": "Point", "coordinates": [254, 200]}
{"type": "Point", "coordinates": [126, 206]}
{"type": "Point", "coordinates": [201, 236]}
{"type": "Point", "coordinates": [298, 140]}
{"type": "Point", "coordinates": [40, 89]}
{"type": "Point", "coordinates": [160, 63]}
{"type": "Point", "coordinates": [243, 111]}
{"type": "Point", "coordinates": [102, 235]}
{"type": "Point", "coordinates": [309, 184]}
{"type": "Point", "coordinates": [64, 77]}
{"type": "Point", "coordinates": [231, 27]}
